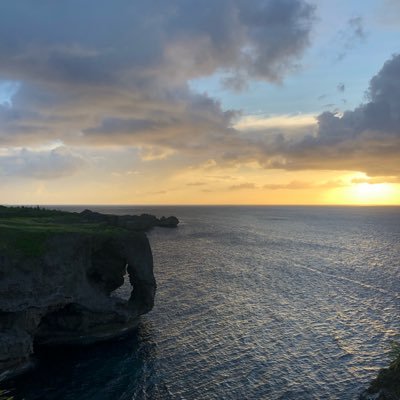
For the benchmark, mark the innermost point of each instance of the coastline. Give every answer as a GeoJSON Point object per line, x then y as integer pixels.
{"type": "Point", "coordinates": [58, 271]}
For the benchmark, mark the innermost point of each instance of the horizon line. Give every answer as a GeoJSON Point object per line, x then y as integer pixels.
{"type": "Point", "coordinates": [197, 205]}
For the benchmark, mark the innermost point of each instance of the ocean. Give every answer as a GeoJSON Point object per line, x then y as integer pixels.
{"type": "Point", "coordinates": [252, 303]}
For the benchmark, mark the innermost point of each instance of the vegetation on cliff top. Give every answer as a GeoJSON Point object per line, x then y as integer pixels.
{"type": "Point", "coordinates": [25, 230]}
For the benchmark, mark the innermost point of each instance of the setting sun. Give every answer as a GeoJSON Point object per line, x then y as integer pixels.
{"type": "Point", "coordinates": [367, 194]}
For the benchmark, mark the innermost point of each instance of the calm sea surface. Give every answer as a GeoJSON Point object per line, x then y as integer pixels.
{"type": "Point", "coordinates": [252, 303]}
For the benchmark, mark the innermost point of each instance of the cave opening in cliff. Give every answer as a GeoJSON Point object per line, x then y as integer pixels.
{"type": "Point", "coordinates": [124, 291]}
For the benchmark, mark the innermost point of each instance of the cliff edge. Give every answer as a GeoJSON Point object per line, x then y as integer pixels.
{"type": "Point", "coordinates": [386, 386]}
{"type": "Point", "coordinates": [57, 272]}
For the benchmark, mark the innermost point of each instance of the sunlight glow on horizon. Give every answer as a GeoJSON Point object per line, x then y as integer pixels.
{"type": "Point", "coordinates": [360, 194]}
{"type": "Point", "coordinates": [367, 194]}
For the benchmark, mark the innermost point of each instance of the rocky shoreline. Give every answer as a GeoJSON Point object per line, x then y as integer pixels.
{"type": "Point", "coordinates": [386, 386]}
{"type": "Point", "coordinates": [57, 272]}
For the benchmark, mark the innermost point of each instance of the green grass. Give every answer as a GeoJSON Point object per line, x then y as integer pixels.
{"type": "Point", "coordinates": [22, 211]}
{"type": "Point", "coordinates": [25, 230]}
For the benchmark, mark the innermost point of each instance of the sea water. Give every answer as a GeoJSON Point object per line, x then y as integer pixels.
{"type": "Point", "coordinates": [252, 303]}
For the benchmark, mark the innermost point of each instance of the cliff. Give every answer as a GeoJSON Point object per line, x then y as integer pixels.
{"type": "Point", "coordinates": [386, 386]}
{"type": "Point", "coordinates": [57, 272]}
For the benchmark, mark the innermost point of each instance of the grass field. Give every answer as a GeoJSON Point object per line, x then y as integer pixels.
{"type": "Point", "coordinates": [25, 230]}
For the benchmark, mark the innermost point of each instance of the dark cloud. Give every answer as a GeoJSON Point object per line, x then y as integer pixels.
{"type": "Point", "coordinates": [195, 116]}
{"type": "Point", "coordinates": [101, 73]}
{"type": "Point", "coordinates": [364, 139]}
{"type": "Point", "coordinates": [142, 43]}
{"type": "Point", "coordinates": [51, 164]}
{"type": "Point", "coordinates": [121, 126]}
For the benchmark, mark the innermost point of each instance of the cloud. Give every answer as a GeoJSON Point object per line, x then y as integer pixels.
{"type": "Point", "coordinates": [237, 83]}
{"type": "Point", "coordinates": [293, 185]}
{"type": "Point", "coordinates": [341, 87]}
{"type": "Point", "coordinates": [352, 35]}
{"type": "Point", "coordinates": [285, 122]}
{"type": "Point", "coordinates": [107, 74]}
{"type": "Point", "coordinates": [222, 177]}
{"type": "Point", "coordinates": [196, 184]}
{"type": "Point", "coordinates": [300, 185]}
{"type": "Point", "coordinates": [148, 43]}
{"type": "Point", "coordinates": [356, 25]}
{"type": "Point", "coordinates": [329, 105]}
{"type": "Point", "coordinates": [365, 139]}
{"type": "Point", "coordinates": [241, 186]}
{"type": "Point", "coordinates": [377, 180]}
{"type": "Point", "coordinates": [56, 163]}
{"type": "Point", "coordinates": [120, 76]}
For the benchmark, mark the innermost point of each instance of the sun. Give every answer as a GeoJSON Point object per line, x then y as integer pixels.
{"type": "Point", "coordinates": [372, 193]}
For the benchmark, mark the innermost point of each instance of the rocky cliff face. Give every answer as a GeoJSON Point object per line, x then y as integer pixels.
{"type": "Point", "coordinates": [386, 386]}
{"type": "Point", "coordinates": [62, 295]}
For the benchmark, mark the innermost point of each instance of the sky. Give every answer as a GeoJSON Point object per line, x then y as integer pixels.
{"type": "Point", "coordinates": [200, 102]}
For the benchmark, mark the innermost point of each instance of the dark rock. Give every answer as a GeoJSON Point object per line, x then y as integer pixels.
{"type": "Point", "coordinates": [62, 295]}
{"type": "Point", "coordinates": [143, 222]}
{"type": "Point", "coordinates": [170, 222]}
{"type": "Point", "coordinates": [57, 271]}
{"type": "Point", "coordinates": [385, 387]}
